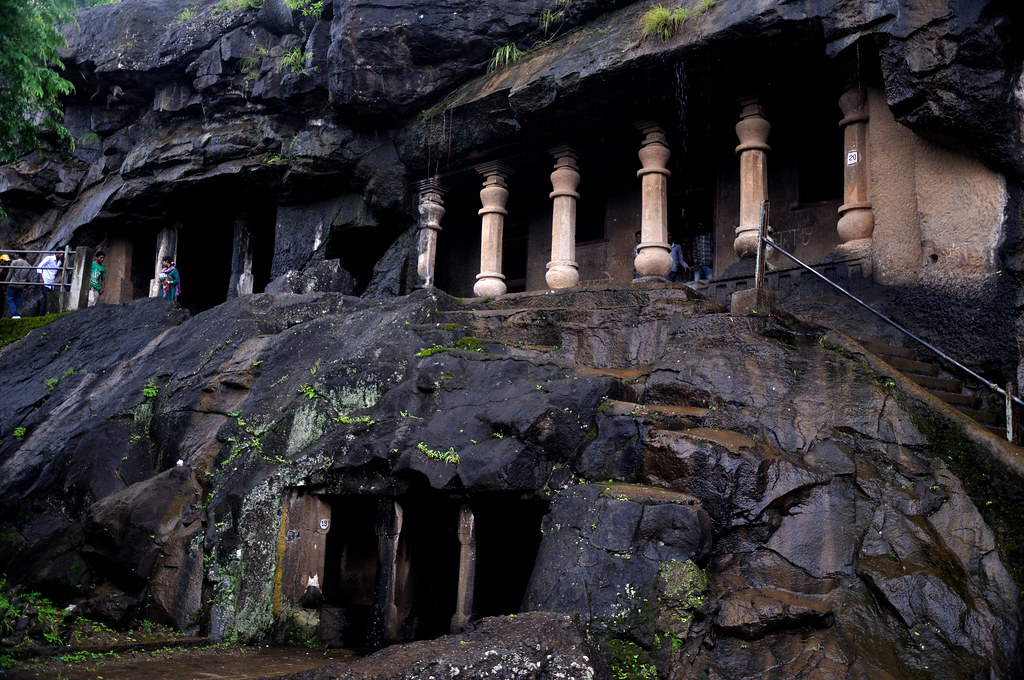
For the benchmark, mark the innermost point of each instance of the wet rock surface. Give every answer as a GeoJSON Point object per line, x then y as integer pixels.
{"type": "Point", "coordinates": [727, 494]}
{"type": "Point", "coordinates": [539, 645]}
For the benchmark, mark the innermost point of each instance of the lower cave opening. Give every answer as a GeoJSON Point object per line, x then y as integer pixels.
{"type": "Point", "coordinates": [393, 567]}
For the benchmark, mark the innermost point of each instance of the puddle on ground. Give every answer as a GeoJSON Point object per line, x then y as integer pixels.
{"type": "Point", "coordinates": [235, 663]}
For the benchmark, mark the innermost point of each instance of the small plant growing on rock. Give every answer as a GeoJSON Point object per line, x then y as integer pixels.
{"type": "Point", "coordinates": [19, 434]}
{"type": "Point", "coordinates": [185, 15]}
{"type": "Point", "coordinates": [295, 59]}
{"type": "Point", "coordinates": [229, 5]}
{"type": "Point", "coordinates": [346, 419]}
{"type": "Point", "coordinates": [308, 8]}
{"type": "Point", "coordinates": [663, 23]}
{"type": "Point", "coordinates": [446, 457]}
{"type": "Point", "coordinates": [150, 389]}
{"type": "Point", "coordinates": [504, 55]}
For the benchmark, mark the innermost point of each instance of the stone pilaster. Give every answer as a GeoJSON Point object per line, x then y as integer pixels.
{"type": "Point", "coordinates": [431, 211]}
{"type": "Point", "coordinates": [752, 131]}
{"type": "Point", "coordinates": [490, 282]}
{"type": "Point", "coordinates": [653, 258]}
{"type": "Point", "coordinates": [857, 220]}
{"type": "Point", "coordinates": [78, 296]}
{"type": "Point", "coordinates": [563, 272]}
{"type": "Point", "coordinates": [467, 570]}
{"type": "Point", "coordinates": [118, 287]}
{"type": "Point", "coordinates": [384, 621]}
{"type": "Point", "coordinates": [306, 520]}
{"type": "Point", "coordinates": [166, 246]}
{"type": "Point", "coordinates": [241, 280]}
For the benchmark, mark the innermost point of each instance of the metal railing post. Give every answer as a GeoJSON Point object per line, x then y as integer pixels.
{"type": "Point", "coordinates": [762, 239]}
{"type": "Point", "coordinates": [1011, 419]}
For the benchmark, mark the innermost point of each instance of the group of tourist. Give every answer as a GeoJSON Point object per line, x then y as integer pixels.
{"type": "Point", "coordinates": [17, 274]}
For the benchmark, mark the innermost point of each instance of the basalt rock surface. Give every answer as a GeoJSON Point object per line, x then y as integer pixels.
{"type": "Point", "coordinates": [733, 496]}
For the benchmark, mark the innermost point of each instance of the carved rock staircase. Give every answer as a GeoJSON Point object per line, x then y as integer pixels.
{"type": "Point", "coordinates": [931, 377]}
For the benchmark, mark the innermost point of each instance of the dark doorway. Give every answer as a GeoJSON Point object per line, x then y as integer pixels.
{"type": "Point", "coordinates": [204, 260]}
{"type": "Point", "coordinates": [508, 537]}
{"type": "Point", "coordinates": [428, 559]}
{"type": "Point", "coordinates": [427, 573]}
{"type": "Point", "coordinates": [351, 566]}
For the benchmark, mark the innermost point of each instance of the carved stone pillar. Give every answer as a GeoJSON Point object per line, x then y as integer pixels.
{"type": "Point", "coordinates": [752, 131]}
{"type": "Point", "coordinates": [653, 258]}
{"type": "Point", "coordinates": [166, 246]}
{"type": "Point", "coordinates": [563, 272]}
{"type": "Point", "coordinates": [431, 211]}
{"type": "Point", "coordinates": [306, 520]}
{"type": "Point", "coordinates": [857, 221]}
{"type": "Point", "coordinates": [490, 282]}
{"type": "Point", "coordinates": [467, 570]}
{"type": "Point", "coordinates": [78, 297]}
{"type": "Point", "coordinates": [384, 621]}
{"type": "Point", "coordinates": [241, 280]}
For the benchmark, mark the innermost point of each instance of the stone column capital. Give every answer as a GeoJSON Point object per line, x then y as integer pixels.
{"type": "Point", "coordinates": [565, 156]}
{"type": "Point", "coordinates": [433, 188]}
{"type": "Point", "coordinates": [854, 105]}
{"type": "Point", "coordinates": [566, 175]}
{"type": "Point", "coordinates": [652, 131]}
{"type": "Point", "coordinates": [494, 173]}
{"type": "Point", "coordinates": [753, 128]}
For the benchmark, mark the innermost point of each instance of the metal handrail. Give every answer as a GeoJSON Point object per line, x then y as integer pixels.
{"type": "Point", "coordinates": [64, 270]}
{"type": "Point", "coordinates": [764, 242]}
{"type": "Point", "coordinates": [938, 352]}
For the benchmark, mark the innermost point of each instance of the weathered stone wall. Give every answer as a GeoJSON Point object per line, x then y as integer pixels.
{"type": "Point", "coordinates": [896, 243]}
{"type": "Point", "coordinates": [119, 286]}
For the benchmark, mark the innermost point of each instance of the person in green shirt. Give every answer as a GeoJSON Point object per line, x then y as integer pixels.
{"type": "Point", "coordinates": [170, 280]}
{"type": "Point", "coordinates": [98, 277]}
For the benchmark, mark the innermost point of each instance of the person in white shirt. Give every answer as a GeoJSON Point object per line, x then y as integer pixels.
{"type": "Point", "coordinates": [48, 268]}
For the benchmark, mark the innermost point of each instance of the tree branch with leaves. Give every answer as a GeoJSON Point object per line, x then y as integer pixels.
{"type": "Point", "coordinates": [31, 86]}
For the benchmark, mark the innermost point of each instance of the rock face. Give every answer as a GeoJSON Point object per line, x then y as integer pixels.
{"type": "Point", "coordinates": [722, 494]}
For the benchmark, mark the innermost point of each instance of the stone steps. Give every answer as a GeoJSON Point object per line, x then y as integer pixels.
{"type": "Point", "coordinates": [683, 421]}
{"type": "Point", "coordinates": [661, 416]}
{"type": "Point", "coordinates": [928, 375]}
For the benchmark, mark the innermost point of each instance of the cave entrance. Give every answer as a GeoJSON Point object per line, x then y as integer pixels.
{"type": "Point", "coordinates": [507, 540]}
{"type": "Point", "coordinates": [421, 565]}
{"type": "Point", "coordinates": [221, 254]}
{"type": "Point", "coordinates": [204, 259]}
